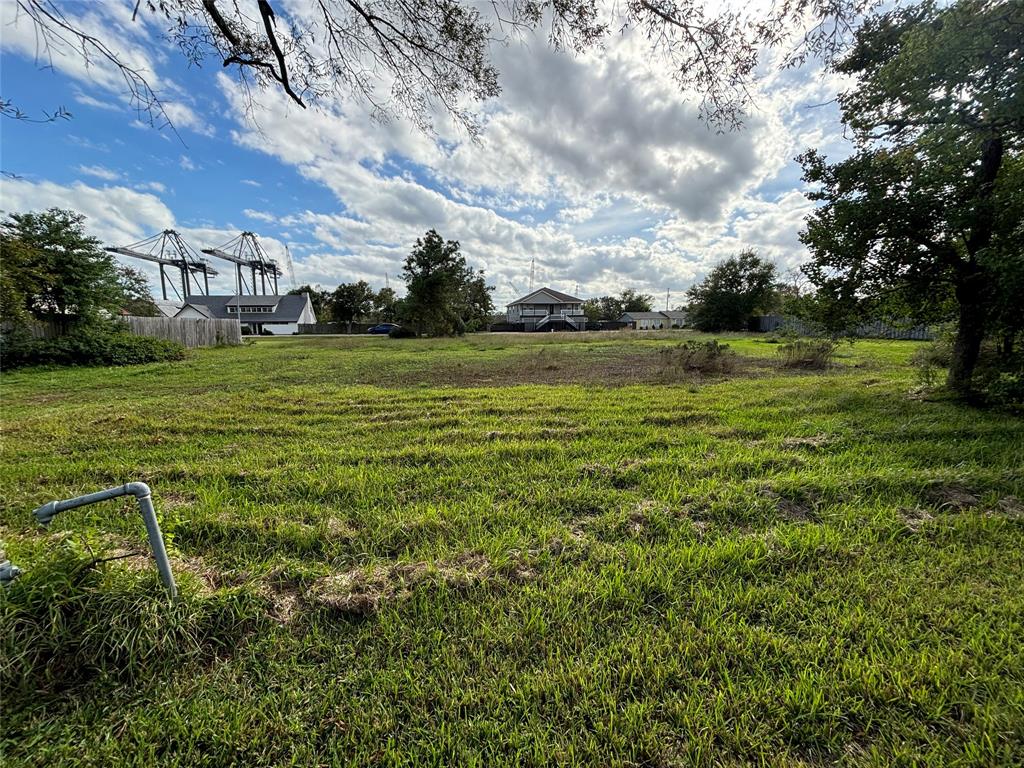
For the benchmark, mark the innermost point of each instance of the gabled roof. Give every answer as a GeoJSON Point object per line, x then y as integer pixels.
{"type": "Point", "coordinates": [675, 314]}
{"type": "Point", "coordinates": [287, 309]}
{"type": "Point", "coordinates": [168, 308]}
{"type": "Point", "coordinates": [565, 298]}
{"type": "Point", "coordinates": [204, 311]}
{"type": "Point", "coordinates": [644, 315]}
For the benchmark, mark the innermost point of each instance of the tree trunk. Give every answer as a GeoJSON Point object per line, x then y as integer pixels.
{"type": "Point", "coordinates": [971, 290]}
{"type": "Point", "coordinates": [969, 334]}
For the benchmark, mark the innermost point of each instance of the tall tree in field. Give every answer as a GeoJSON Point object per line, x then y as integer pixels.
{"type": "Point", "coordinates": [351, 302]}
{"type": "Point", "coordinates": [734, 290]}
{"type": "Point", "coordinates": [441, 291]}
{"type": "Point", "coordinates": [927, 211]}
{"type": "Point", "coordinates": [52, 269]}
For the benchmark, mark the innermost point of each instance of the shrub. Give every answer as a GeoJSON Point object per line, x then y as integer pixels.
{"type": "Point", "coordinates": [88, 346]}
{"type": "Point", "coordinates": [702, 356]}
{"type": "Point", "coordinates": [402, 332]}
{"type": "Point", "coordinates": [807, 353]}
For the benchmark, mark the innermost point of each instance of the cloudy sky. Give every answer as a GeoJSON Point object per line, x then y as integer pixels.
{"type": "Point", "coordinates": [595, 166]}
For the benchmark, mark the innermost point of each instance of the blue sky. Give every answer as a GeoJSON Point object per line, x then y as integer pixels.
{"type": "Point", "coordinates": [594, 167]}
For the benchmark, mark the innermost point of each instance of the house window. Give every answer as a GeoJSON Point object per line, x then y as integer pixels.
{"type": "Point", "coordinates": [261, 309]}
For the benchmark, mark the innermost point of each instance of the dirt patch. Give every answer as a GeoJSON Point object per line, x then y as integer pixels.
{"type": "Point", "coordinates": [915, 517]}
{"type": "Point", "coordinates": [621, 475]}
{"type": "Point", "coordinates": [363, 592]}
{"type": "Point", "coordinates": [812, 443]}
{"type": "Point", "coordinates": [1011, 507]}
{"type": "Point", "coordinates": [950, 496]}
{"type": "Point", "coordinates": [792, 509]}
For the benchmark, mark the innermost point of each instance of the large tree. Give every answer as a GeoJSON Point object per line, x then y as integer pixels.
{"type": "Point", "coordinates": [925, 215]}
{"type": "Point", "coordinates": [52, 270]}
{"type": "Point", "coordinates": [734, 290]}
{"type": "Point", "coordinates": [419, 58]}
{"type": "Point", "coordinates": [352, 301]}
{"type": "Point", "coordinates": [443, 295]}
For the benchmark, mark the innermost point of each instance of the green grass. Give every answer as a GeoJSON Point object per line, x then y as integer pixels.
{"type": "Point", "coordinates": [401, 553]}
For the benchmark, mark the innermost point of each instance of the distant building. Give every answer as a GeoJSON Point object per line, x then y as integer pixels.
{"type": "Point", "coordinates": [654, 321]}
{"type": "Point", "coordinates": [547, 310]}
{"type": "Point", "coordinates": [257, 314]}
{"type": "Point", "coordinates": [645, 321]}
{"type": "Point", "coordinates": [676, 318]}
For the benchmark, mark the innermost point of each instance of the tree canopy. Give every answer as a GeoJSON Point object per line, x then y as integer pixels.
{"type": "Point", "coordinates": [925, 216]}
{"type": "Point", "coordinates": [352, 301]}
{"type": "Point", "coordinates": [418, 58]}
{"type": "Point", "coordinates": [443, 295]}
{"type": "Point", "coordinates": [52, 269]}
{"type": "Point", "coordinates": [735, 290]}
{"type": "Point", "coordinates": [613, 307]}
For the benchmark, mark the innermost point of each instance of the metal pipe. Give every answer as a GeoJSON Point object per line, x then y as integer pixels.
{"type": "Point", "coordinates": [144, 496]}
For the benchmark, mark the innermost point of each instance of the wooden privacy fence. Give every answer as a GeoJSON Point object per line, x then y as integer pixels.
{"type": "Point", "coordinates": [872, 330]}
{"type": "Point", "coordinates": [191, 333]}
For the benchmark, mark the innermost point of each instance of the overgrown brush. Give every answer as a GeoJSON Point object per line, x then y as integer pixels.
{"type": "Point", "coordinates": [99, 345]}
{"type": "Point", "coordinates": [813, 354]}
{"type": "Point", "coordinates": [71, 617]}
{"type": "Point", "coordinates": [700, 356]}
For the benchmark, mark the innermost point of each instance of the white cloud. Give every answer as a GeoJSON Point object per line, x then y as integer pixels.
{"type": "Point", "coordinates": [130, 41]}
{"type": "Point", "coordinates": [595, 167]}
{"type": "Point", "coordinates": [99, 172]}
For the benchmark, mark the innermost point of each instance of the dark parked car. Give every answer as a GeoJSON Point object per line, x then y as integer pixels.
{"type": "Point", "coordinates": [383, 328]}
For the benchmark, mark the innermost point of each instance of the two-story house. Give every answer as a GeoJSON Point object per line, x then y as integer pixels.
{"type": "Point", "coordinates": [547, 310]}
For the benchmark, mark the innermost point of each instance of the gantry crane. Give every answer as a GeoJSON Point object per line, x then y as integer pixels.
{"type": "Point", "coordinates": [169, 249]}
{"type": "Point", "coordinates": [245, 251]}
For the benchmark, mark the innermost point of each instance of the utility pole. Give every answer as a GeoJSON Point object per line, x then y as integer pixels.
{"type": "Point", "coordinates": [667, 294]}
{"type": "Point", "coordinates": [533, 268]}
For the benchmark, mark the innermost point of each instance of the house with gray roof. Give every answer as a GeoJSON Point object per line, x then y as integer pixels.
{"type": "Point", "coordinates": [547, 310]}
{"type": "Point", "coordinates": [654, 321]}
{"type": "Point", "coordinates": [256, 314]}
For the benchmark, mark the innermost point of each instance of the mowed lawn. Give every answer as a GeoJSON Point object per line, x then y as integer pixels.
{"type": "Point", "coordinates": [509, 550]}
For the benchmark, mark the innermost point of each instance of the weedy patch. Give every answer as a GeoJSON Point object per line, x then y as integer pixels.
{"type": "Point", "coordinates": [796, 510]}
{"type": "Point", "coordinates": [811, 443]}
{"type": "Point", "coordinates": [1011, 507]}
{"type": "Point", "coordinates": [364, 591]}
{"type": "Point", "coordinates": [915, 518]}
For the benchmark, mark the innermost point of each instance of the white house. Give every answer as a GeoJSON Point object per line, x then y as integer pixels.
{"type": "Point", "coordinates": [257, 314]}
{"type": "Point", "coordinates": [654, 321]}
{"type": "Point", "coordinates": [547, 310]}
{"type": "Point", "coordinates": [646, 321]}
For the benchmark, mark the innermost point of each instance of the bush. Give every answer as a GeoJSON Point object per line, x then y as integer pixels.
{"type": "Point", "coordinates": [402, 333]}
{"type": "Point", "coordinates": [703, 356]}
{"type": "Point", "coordinates": [87, 346]}
{"type": "Point", "coordinates": [807, 353]}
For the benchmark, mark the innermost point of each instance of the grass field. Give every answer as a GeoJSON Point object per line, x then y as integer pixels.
{"type": "Point", "coordinates": [512, 550]}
